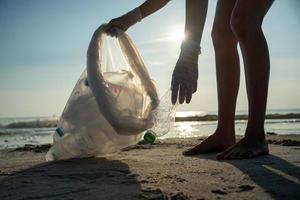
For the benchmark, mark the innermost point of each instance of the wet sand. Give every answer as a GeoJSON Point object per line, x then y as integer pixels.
{"type": "Point", "coordinates": [153, 172]}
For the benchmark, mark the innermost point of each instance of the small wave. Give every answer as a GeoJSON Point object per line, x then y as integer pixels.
{"type": "Point", "coordinates": [285, 118]}
{"type": "Point", "coordinates": [289, 121]}
{"type": "Point", "coordinates": [14, 131]}
{"type": "Point", "coordinates": [31, 131]}
{"type": "Point", "coordinates": [212, 117]}
{"type": "Point", "coordinates": [33, 124]}
{"type": "Point", "coordinates": [272, 121]}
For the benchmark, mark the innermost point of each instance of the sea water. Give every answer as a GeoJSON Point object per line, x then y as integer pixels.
{"type": "Point", "coordinates": [18, 137]}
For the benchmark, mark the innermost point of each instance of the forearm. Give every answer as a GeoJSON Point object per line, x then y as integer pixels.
{"type": "Point", "coordinates": [195, 19]}
{"type": "Point", "coordinates": [185, 73]}
{"type": "Point", "coordinates": [151, 6]}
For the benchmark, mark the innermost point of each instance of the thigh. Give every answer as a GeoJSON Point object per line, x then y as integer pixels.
{"type": "Point", "coordinates": [251, 11]}
{"type": "Point", "coordinates": [223, 14]}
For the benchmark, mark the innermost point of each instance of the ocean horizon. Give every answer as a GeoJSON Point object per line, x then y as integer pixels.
{"type": "Point", "coordinates": [8, 120]}
{"type": "Point", "coordinates": [12, 137]}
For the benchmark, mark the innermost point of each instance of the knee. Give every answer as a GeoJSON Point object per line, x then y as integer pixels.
{"type": "Point", "coordinates": [216, 35]}
{"type": "Point", "coordinates": [245, 28]}
{"type": "Point", "coordinates": [222, 36]}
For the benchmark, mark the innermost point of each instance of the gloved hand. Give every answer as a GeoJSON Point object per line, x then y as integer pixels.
{"type": "Point", "coordinates": [185, 73]}
{"type": "Point", "coordinates": [123, 22]}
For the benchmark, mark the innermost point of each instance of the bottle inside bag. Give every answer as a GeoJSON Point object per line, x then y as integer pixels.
{"type": "Point", "coordinates": [163, 118]}
{"type": "Point", "coordinates": [129, 97]}
{"type": "Point", "coordinates": [110, 105]}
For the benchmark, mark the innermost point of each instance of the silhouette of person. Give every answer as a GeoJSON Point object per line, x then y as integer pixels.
{"type": "Point", "coordinates": [236, 22]}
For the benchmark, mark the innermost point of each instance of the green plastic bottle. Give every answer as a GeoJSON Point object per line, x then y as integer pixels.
{"type": "Point", "coordinates": [163, 118]}
{"type": "Point", "coordinates": [150, 136]}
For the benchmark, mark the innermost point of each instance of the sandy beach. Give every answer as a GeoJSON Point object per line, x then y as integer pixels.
{"type": "Point", "coordinates": [156, 172]}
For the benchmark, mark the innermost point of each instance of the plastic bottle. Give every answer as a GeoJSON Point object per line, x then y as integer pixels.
{"type": "Point", "coordinates": [163, 118]}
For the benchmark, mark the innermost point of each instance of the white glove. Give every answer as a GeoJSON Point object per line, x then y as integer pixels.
{"type": "Point", "coordinates": [185, 73]}
{"type": "Point", "coordinates": [123, 22]}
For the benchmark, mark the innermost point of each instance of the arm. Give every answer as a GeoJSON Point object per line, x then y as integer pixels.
{"type": "Point", "coordinates": [150, 6]}
{"type": "Point", "coordinates": [185, 74]}
{"type": "Point", "coordinates": [134, 16]}
{"type": "Point", "coordinates": [195, 19]}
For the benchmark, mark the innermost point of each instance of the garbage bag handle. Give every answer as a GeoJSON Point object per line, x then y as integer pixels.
{"type": "Point", "coordinates": [138, 66]}
{"type": "Point", "coordinates": [104, 99]}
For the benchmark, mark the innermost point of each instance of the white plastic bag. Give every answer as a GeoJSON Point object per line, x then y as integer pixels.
{"type": "Point", "coordinates": [110, 105]}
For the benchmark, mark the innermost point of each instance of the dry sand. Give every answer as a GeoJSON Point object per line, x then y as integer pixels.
{"type": "Point", "coordinates": [153, 172]}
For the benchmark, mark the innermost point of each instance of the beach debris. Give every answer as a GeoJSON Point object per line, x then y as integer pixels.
{"type": "Point", "coordinates": [218, 191]}
{"type": "Point", "coordinates": [285, 142]}
{"type": "Point", "coordinates": [33, 148]}
{"type": "Point", "coordinates": [162, 117]}
{"type": "Point", "coordinates": [109, 108]}
{"type": "Point", "coordinates": [244, 188]}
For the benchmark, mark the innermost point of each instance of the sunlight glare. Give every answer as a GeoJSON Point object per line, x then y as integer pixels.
{"type": "Point", "coordinates": [177, 34]}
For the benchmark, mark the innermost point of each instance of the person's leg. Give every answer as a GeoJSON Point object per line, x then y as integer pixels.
{"type": "Point", "coordinates": [246, 24]}
{"type": "Point", "coordinates": [228, 74]}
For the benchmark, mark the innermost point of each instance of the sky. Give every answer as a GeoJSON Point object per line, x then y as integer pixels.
{"type": "Point", "coordinates": [43, 48]}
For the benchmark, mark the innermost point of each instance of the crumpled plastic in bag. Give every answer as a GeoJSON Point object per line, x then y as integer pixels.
{"type": "Point", "coordinates": [110, 105]}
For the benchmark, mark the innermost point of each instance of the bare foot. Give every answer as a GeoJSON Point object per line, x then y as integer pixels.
{"type": "Point", "coordinates": [214, 143]}
{"type": "Point", "coordinates": [246, 148]}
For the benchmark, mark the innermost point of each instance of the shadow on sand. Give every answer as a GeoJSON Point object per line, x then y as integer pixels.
{"type": "Point", "coordinates": [276, 176]}
{"type": "Point", "coordinates": [92, 178]}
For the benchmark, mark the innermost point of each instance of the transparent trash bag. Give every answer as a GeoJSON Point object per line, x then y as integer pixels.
{"type": "Point", "coordinates": [110, 106]}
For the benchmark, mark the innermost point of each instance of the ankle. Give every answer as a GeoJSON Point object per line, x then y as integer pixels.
{"type": "Point", "coordinates": [225, 131]}
{"type": "Point", "coordinates": [227, 137]}
{"type": "Point", "coordinates": [257, 134]}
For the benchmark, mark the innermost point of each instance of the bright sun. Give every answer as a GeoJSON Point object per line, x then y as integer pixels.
{"type": "Point", "coordinates": [177, 34]}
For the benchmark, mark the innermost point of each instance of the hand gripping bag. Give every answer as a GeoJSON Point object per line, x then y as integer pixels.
{"type": "Point", "coordinates": [110, 105]}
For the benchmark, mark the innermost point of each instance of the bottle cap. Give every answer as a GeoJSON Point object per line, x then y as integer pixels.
{"type": "Point", "coordinates": [149, 136]}
{"type": "Point", "coordinates": [86, 82]}
{"type": "Point", "coordinates": [60, 131]}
